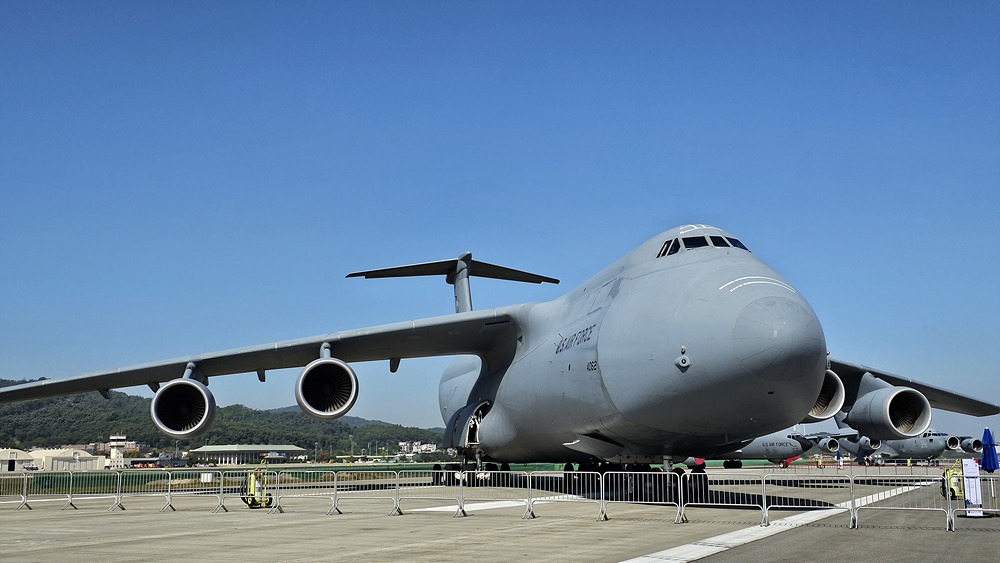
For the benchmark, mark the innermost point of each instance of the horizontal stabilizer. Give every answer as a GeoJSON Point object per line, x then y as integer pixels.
{"type": "Point", "coordinates": [447, 268]}
{"type": "Point", "coordinates": [457, 272]}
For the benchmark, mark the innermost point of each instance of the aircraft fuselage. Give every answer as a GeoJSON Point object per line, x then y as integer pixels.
{"type": "Point", "coordinates": [689, 353]}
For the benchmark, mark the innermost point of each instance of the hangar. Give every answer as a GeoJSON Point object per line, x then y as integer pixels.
{"type": "Point", "coordinates": [67, 459]}
{"type": "Point", "coordinates": [15, 460]}
{"type": "Point", "coordinates": [243, 454]}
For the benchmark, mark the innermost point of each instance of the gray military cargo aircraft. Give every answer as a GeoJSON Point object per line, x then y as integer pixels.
{"type": "Point", "coordinates": [689, 345]}
{"type": "Point", "coordinates": [783, 447]}
{"type": "Point", "coordinates": [929, 444]}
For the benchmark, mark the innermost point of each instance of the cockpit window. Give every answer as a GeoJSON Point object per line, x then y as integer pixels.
{"type": "Point", "coordinates": [737, 243]}
{"type": "Point", "coordinates": [669, 247]}
{"type": "Point", "coordinates": [674, 247]}
{"type": "Point", "coordinates": [663, 249]}
{"type": "Point", "coordinates": [695, 242]}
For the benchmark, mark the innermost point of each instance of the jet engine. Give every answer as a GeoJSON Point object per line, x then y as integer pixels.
{"type": "Point", "coordinates": [890, 413]}
{"type": "Point", "coordinates": [870, 443]}
{"type": "Point", "coordinates": [327, 388]}
{"type": "Point", "coordinates": [829, 445]}
{"type": "Point", "coordinates": [830, 400]}
{"type": "Point", "coordinates": [183, 408]}
{"type": "Point", "coordinates": [972, 445]}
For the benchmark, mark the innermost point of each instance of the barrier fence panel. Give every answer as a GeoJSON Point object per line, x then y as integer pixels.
{"type": "Point", "coordinates": [497, 486]}
{"type": "Point", "coordinates": [194, 482]}
{"type": "Point", "coordinates": [565, 486]}
{"type": "Point", "coordinates": [43, 486]}
{"type": "Point", "coordinates": [722, 489]}
{"type": "Point", "coordinates": [654, 487]}
{"type": "Point", "coordinates": [13, 489]}
{"type": "Point", "coordinates": [972, 496]}
{"type": "Point", "coordinates": [442, 486]}
{"type": "Point", "coordinates": [803, 491]}
{"type": "Point", "coordinates": [307, 484]}
{"type": "Point", "coordinates": [147, 483]}
{"type": "Point", "coordinates": [87, 485]}
{"type": "Point", "coordinates": [900, 492]}
{"type": "Point", "coordinates": [255, 488]}
{"type": "Point", "coordinates": [368, 485]}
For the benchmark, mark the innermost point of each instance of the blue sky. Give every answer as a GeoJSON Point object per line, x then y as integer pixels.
{"type": "Point", "coordinates": [188, 177]}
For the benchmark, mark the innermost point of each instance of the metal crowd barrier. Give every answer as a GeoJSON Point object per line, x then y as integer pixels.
{"type": "Point", "coordinates": [962, 498]}
{"type": "Point", "coordinates": [807, 491]}
{"type": "Point", "coordinates": [900, 492]}
{"type": "Point", "coordinates": [368, 485]}
{"type": "Point", "coordinates": [469, 489]}
{"type": "Point", "coordinates": [653, 487]}
{"type": "Point", "coordinates": [14, 489]}
{"type": "Point", "coordinates": [732, 489]}
{"type": "Point", "coordinates": [305, 484]}
{"type": "Point", "coordinates": [569, 486]}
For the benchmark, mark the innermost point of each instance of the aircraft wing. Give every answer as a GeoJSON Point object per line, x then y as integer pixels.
{"type": "Point", "coordinates": [849, 433]}
{"type": "Point", "coordinates": [473, 332]}
{"type": "Point", "coordinates": [938, 397]}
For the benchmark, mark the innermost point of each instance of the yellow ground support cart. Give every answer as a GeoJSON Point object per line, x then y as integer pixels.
{"type": "Point", "coordinates": [952, 485]}
{"type": "Point", "coordinates": [254, 491]}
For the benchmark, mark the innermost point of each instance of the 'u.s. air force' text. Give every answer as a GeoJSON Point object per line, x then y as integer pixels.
{"type": "Point", "coordinates": [572, 340]}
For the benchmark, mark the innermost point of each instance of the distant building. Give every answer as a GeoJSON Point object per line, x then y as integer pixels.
{"type": "Point", "coordinates": [67, 460]}
{"type": "Point", "coordinates": [243, 454]}
{"type": "Point", "coordinates": [16, 460]}
{"type": "Point", "coordinates": [413, 448]}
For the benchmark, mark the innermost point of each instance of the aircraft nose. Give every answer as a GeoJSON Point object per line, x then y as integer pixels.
{"type": "Point", "coordinates": [778, 339]}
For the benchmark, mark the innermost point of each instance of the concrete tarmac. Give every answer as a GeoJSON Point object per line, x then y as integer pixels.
{"type": "Point", "coordinates": [429, 531]}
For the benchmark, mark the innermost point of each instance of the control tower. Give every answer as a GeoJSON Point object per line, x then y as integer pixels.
{"type": "Point", "coordinates": [117, 445]}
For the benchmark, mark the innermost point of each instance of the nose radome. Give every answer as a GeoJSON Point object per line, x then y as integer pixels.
{"type": "Point", "coordinates": [778, 339]}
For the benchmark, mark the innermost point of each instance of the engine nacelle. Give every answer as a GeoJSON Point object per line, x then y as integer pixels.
{"type": "Point", "coordinates": [953, 443]}
{"type": "Point", "coordinates": [830, 400]}
{"type": "Point", "coordinates": [183, 408]}
{"type": "Point", "coordinates": [870, 443]}
{"type": "Point", "coordinates": [829, 445]}
{"type": "Point", "coordinates": [972, 445]}
{"type": "Point", "coordinates": [891, 413]}
{"type": "Point", "coordinates": [327, 388]}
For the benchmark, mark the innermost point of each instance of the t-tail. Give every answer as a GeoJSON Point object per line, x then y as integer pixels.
{"type": "Point", "coordinates": [457, 272]}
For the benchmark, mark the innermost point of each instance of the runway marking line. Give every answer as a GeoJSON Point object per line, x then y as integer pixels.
{"type": "Point", "coordinates": [722, 542]}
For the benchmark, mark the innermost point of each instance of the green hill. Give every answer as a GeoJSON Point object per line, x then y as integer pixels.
{"type": "Point", "coordinates": [88, 417]}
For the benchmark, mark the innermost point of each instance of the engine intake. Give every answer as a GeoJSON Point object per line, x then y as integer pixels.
{"type": "Point", "coordinates": [830, 400]}
{"type": "Point", "coordinates": [972, 445]}
{"type": "Point", "coordinates": [891, 413]}
{"type": "Point", "coordinates": [829, 445]}
{"type": "Point", "coordinates": [327, 388]}
{"type": "Point", "coordinates": [183, 408]}
{"type": "Point", "coordinates": [870, 443]}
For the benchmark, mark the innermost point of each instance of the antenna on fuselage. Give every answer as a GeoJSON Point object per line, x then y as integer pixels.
{"type": "Point", "coordinates": [457, 272]}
